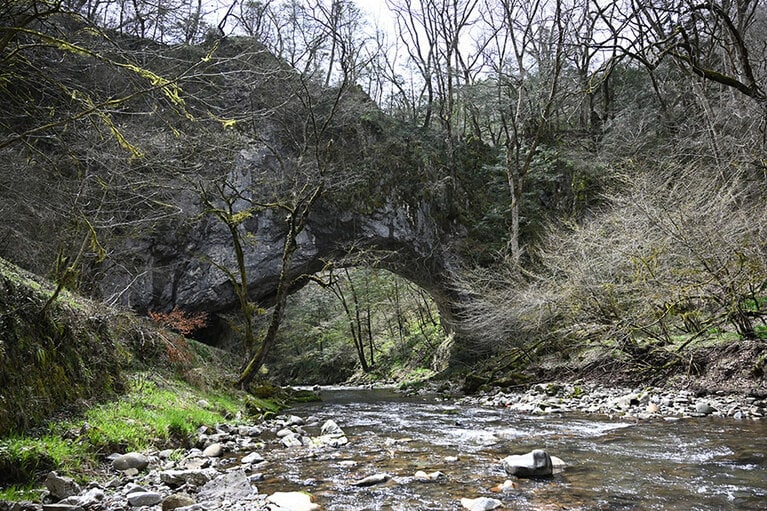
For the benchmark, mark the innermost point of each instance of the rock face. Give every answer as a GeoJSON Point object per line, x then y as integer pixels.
{"type": "Point", "coordinates": [174, 265]}
{"type": "Point", "coordinates": [536, 463]}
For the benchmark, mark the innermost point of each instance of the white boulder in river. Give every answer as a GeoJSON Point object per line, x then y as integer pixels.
{"type": "Point", "coordinates": [481, 504]}
{"type": "Point", "coordinates": [536, 463]}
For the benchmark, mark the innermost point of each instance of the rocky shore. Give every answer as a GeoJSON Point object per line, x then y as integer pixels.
{"type": "Point", "coordinates": [640, 403]}
{"type": "Point", "coordinates": [220, 473]}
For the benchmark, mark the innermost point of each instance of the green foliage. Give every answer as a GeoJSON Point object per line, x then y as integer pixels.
{"type": "Point", "coordinates": [316, 345]}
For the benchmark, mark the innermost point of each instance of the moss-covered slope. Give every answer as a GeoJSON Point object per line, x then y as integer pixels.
{"type": "Point", "coordinates": [76, 351]}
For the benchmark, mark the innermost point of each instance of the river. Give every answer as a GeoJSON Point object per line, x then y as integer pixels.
{"type": "Point", "coordinates": [688, 464]}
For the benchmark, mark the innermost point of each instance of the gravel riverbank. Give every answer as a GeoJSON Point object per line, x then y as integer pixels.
{"type": "Point", "coordinates": [639, 403]}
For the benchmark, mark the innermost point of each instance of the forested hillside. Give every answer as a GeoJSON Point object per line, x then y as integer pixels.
{"type": "Point", "coordinates": [583, 185]}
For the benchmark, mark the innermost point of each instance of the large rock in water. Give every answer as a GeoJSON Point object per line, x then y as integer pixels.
{"type": "Point", "coordinates": [536, 463]}
{"type": "Point", "coordinates": [293, 501]}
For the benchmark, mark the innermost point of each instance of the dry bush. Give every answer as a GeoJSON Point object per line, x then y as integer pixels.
{"type": "Point", "coordinates": [680, 253]}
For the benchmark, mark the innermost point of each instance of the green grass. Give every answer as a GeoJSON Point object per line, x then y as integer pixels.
{"type": "Point", "coordinates": [154, 413]}
{"type": "Point", "coordinates": [17, 493]}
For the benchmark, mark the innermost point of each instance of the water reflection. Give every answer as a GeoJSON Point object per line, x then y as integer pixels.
{"type": "Point", "coordinates": [612, 465]}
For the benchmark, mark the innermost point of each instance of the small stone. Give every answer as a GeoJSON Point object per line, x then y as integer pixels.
{"type": "Point", "coordinates": [372, 480]}
{"type": "Point", "coordinates": [61, 507]}
{"type": "Point", "coordinates": [133, 488]}
{"type": "Point", "coordinates": [61, 487]}
{"type": "Point", "coordinates": [652, 408]}
{"type": "Point", "coordinates": [130, 460]}
{"type": "Point", "coordinates": [428, 477]}
{"type": "Point", "coordinates": [481, 504]}
{"type": "Point", "coordinates": [254, 457]}
{"type": "Point", "coordinates": [293, 501]}
{"type": "Point", "coordinates": [203, 403]}
{"type": "Point", "coordinates": [197, 477]}
{"type": "Point", "coordinates": [292, 440]}
{"type": "Point", "coordinates": [703, 407]}
{"type": "Point", "coordinates": [144, 498]}
{"type": "Point", "coordinates": [177, 500]}
{"type": "Point", "coordinates": [213, 451]}
{"type": "Point", "coordinates": [284, 432]}
{"type": "Point", "coordinates": [506, 486]}
{"type": "Point", "coordinates": [295, 420]}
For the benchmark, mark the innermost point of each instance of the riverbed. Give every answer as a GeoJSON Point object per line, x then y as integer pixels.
{"type": "Point", "coordinates": [700, 463]}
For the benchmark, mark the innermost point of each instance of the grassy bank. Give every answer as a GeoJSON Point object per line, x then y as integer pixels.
{"type": "Point", "coordinates": [155, 412]}
{"type": "Point", "coordinates": [80, 381]}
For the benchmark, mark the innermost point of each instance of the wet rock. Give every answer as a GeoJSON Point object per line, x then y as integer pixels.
{"type": "Point", "coordinates": [295, 420]}
{"type": "Point", "coordinates": [213, 451]}
{"type": "Point", "coordinates": [557, 464]}
{"type": "Point", "coordinates": [331, 428]}
{"type": "Point", "coordinates": [197, 477]}
{"type": "Point", "coordinates": [331, 435]}
{"type": "Point", "coordinates": [293, 501]}
{"type": "Point", "coordinates": [177, 500]}
{"type": "Point", "coordinates": [284, 432]}
{"type": "Point", "coordinates": [130, 460]}
{"type": "Point", "coordinates": [428, 477]}
{"type": "Point", "coordinates": [536, 463]}
{"type": "Point", "coordinates": [252, 458]}
{"type": "Point", "coordinates": [291, 440]}
{"type": "Point", "coordinates": [506, 486]}
{"type": "Point", "coordinates": [144, 498]}
{"type": "Point", "coordinates": [233, 486]}
{"type": "Point", "coordinates": [372, 480]}
{"type": "Point", "coordinates": [61, 487]}
{"type": "Point", "coordinates": [481, 504]}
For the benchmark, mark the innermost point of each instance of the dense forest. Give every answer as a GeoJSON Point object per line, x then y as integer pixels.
{"type": "Point", "coordinates": [596, 172]}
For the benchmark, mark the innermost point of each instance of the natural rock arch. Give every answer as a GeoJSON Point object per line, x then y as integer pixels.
{"type": "Point", "coordinates": [399, 237]}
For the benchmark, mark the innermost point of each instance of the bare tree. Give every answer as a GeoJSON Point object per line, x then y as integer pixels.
{"type": "Point", "coordinates": [529, 56]}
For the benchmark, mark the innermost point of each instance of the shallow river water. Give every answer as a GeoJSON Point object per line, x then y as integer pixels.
{"type": "Point", "coordinates": [688, 464]}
